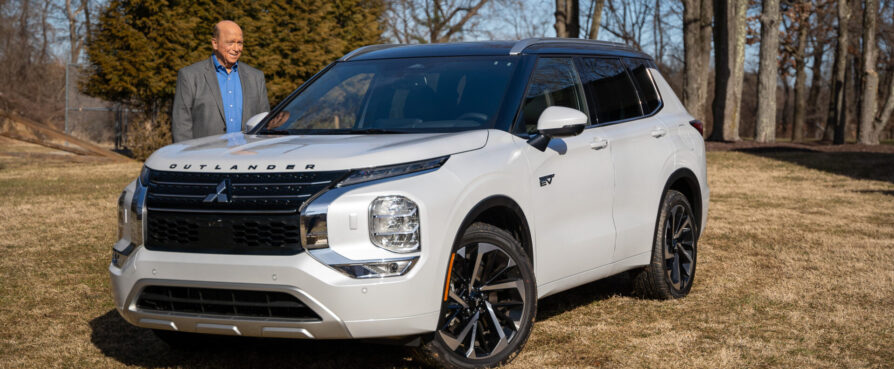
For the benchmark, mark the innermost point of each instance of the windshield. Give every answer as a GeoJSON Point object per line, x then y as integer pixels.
{"type": "Point", "coordinates": [413, 95]}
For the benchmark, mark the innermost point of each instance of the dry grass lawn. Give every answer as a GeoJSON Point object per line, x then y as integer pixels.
{"type": "Point", "coordinates": [796, 269]}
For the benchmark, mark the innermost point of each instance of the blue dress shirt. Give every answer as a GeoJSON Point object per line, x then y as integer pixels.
{"type": "Point", "coordinates": [231, 94]}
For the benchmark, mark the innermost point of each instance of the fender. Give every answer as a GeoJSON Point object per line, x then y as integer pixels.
{"type": "Point", "coordinates": [690, 188]}
{"type": "Point", "coordinates": [498, 201]}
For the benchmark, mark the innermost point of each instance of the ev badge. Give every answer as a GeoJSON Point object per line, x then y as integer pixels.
{"type": "Point", "coordinates": [546, 180]}
{"type": "Point", "coordinates": [221, 195]}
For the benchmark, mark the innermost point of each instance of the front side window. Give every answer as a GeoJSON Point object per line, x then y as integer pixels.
{"type": "Point", "coordinates": [554, 83]}
{"type": "Point", "coordinates": [611, 89]}
{"type": "Point", "coordinates": [413, 95]}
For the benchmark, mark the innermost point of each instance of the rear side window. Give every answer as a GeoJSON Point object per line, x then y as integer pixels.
{"type": "Point", "coordinates": [639, 70]}
{"type": "Point", "coordinates": [554, 83]}
{"type": "Point", "coordinates": [610, 88]}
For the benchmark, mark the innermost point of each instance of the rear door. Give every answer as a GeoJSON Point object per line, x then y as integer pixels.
{"type": "Point", "coordinates": [640, 150]}
{"type": "Point", "coordinates": [572, 180]}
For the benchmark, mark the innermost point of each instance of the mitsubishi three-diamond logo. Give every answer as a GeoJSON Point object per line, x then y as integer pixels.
{"type": "Point", "coordinates": [222, 193]}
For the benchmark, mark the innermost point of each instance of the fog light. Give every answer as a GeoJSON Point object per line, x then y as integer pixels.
{"type": "Point", "coordinates": [121, 254]}
{"type": "Point", "coordinates": [394, 224]}
{"type": "Point", "coordinates": [379, 269]}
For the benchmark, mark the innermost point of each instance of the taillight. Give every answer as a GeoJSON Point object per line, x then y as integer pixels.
{"type": "Point", "coordinates": [698, 125]}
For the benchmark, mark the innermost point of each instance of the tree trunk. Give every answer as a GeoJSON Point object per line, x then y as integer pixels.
{"type": "Point", "coordinates": [836, 115]}
{"type": "Point", "coordinates": [841, 127]}
{"type": "Point", "coordinates": [816, 82]}
{"type": "Point", "coordinates": [729, 46]}
{"type": "Point", "coordinates": [765, 129]}
{"type": "Point", "coordinates": [870, 76]}
{"type": "Point", "coordinates": [658, 33]}
{"type": "Point", "coordinates": [786, 104]}
{"type": "Point", "coordinates": [697, 18]}
{"type": "Point", "coordinates": [596, 20]}
{"type": "Point", "coordinates": [800, 82]}
{"type": "Point", "coordinates": [567, 19]}
{"type": "Point", "coordinates": [882, 119]}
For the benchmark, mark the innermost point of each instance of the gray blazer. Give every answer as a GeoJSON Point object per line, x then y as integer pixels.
{"type": "Point", "coordinates": [198, 107]}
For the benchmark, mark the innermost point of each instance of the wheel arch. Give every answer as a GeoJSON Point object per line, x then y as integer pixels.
{"type": "Point", "coordinates": [685, 181]}
{"type": "Point", "coordinates": [502, 212]}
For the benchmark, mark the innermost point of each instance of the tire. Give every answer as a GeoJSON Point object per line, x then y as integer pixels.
{"type": "Point", "coordinates": [671, 271]}
{"type": "Point", "coordinates": [484, 323]}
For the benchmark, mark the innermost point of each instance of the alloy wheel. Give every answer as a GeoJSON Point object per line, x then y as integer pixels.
{"type": "Point", "coordinates": [484, 307]}
{"type": "Point", "coordinates": [679, 247]}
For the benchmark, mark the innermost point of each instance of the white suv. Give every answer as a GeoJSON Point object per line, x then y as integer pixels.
{"type": "Point", "coordinates": [432, 192]}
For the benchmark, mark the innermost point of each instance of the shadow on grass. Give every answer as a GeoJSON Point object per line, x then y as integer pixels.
{"type": "Point", "coordinates": [857, 165]}
{"type": "Point", "coordinates": [130, 345]}
{"type": "Point", "coordinates": [616, 285]}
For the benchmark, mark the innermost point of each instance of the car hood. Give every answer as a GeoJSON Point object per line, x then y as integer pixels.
{"type": "Point", "coordinates": [238, 152]}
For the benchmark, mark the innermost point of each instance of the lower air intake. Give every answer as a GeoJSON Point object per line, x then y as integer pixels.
{"type": "Point", "coordinates": [224, 302]}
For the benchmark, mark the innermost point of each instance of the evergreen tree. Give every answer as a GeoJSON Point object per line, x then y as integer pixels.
{"type": "Point", "coordinates": [139, 45]}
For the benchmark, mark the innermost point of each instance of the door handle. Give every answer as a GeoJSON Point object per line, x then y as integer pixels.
{"type": "Point", "coordinates": [598, 144]}
{"type": "Point", "coordinates": [658, 132]}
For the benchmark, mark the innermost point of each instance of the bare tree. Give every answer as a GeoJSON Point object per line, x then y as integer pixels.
{"type": "Point", "coordinates": [629, 20]}
{"type": "Point", "coordinates": [517, 19]}
{"type": "Point", "coordinates": [697, 18]}
{"type": "Point", "coordinates": [77, 29]}
{"type": "Point", "coordinates": [870, 76]}
{"type": "Point", "coordinates": [800, 13]}
{"type": "Point", "coordinates": [567, 18]}
{"type": "Point", "coordinates": [765, 129]}
{"type": "Point", "coordinates": [837, 118]}
{"type": "Point", "coordinates": [31, 80]}
{"type": "Point", "coordinates": [424, 21]}
{"type": "Point", "coordinates": [595, 15]}
{"type": "Point", "coordinates": [729, 59]}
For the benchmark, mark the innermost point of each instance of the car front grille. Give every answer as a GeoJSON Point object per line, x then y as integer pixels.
{"type": "Point", "coordinates": [229, 192]}
{"type": "Point", "coordinates": [229, 213]}
{"type": "Point", "coordinates": [252, 234]}
{"type": "Point", "coordinates": [224, 302]}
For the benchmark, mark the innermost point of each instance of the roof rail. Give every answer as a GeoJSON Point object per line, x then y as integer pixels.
{"type": "Point", "coordinates": [528, 42]}
{"type": "Point", "coordinates": [366, 49]}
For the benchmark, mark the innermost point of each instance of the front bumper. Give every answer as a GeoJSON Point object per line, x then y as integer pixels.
{"type": "Point", "coordinates": [347, 308]}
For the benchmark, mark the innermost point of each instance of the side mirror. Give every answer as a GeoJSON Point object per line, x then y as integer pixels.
{"type": "Point", "coordinates": [557, 121]}
{"type": "Point", "coordinates": [253, 121]}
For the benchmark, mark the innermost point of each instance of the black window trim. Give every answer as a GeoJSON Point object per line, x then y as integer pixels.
{"type": "Point", "coordinates": [651, 65]}
{"type": "Point", "coordinates": [530, 75]}
{"type": "Point", "coordinates": [635, 86]}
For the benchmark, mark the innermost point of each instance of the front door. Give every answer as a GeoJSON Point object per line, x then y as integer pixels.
{"type": "Point", "coordinates": [572, 181]}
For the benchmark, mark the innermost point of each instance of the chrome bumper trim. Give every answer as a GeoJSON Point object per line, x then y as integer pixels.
{"type": "Point", "coordinates": [329, 327]}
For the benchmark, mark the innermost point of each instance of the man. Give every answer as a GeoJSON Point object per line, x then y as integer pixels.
{"type": "Point", "coordinates": [218, 95]}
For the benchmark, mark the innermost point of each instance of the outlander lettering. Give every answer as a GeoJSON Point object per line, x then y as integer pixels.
{"type": "Point", "coordinates": [427, 194]}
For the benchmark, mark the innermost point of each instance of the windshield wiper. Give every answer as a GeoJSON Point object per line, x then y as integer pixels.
{"type": "Point", "coordinates": [273, 132]}
{"type": "Point", "coordinates": [374, 131]}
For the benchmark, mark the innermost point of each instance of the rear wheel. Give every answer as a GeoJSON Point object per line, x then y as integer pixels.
{"type": "Point", "coordinates": [490, 303]}
{"type": "Point", "coordinates": [674, 251]}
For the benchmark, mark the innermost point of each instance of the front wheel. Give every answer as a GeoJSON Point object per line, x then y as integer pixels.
{"type": "Point", "coordinates": [489, 304]}
{"type": "Point", "coordinates": [674, 251]}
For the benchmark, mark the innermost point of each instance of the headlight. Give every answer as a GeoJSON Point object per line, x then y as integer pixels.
{"type": "Point", "coordinates": [144, 176]}
{"type": "Point", "coordinates": [394, 224]}
{"type": "Point", "coordinates": [372, 174]}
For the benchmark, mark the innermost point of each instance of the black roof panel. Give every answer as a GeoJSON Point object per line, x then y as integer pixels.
{"type": "Point", "coordinates": [486, 48]}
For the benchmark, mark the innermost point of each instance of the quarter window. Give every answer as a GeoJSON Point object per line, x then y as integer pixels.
{"type": "Point", "coordinates": [554, 83]}
{"type": "Point", "coordinates": [639, 70]}
{"type": "Point", "coordinates": [611, 89]}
